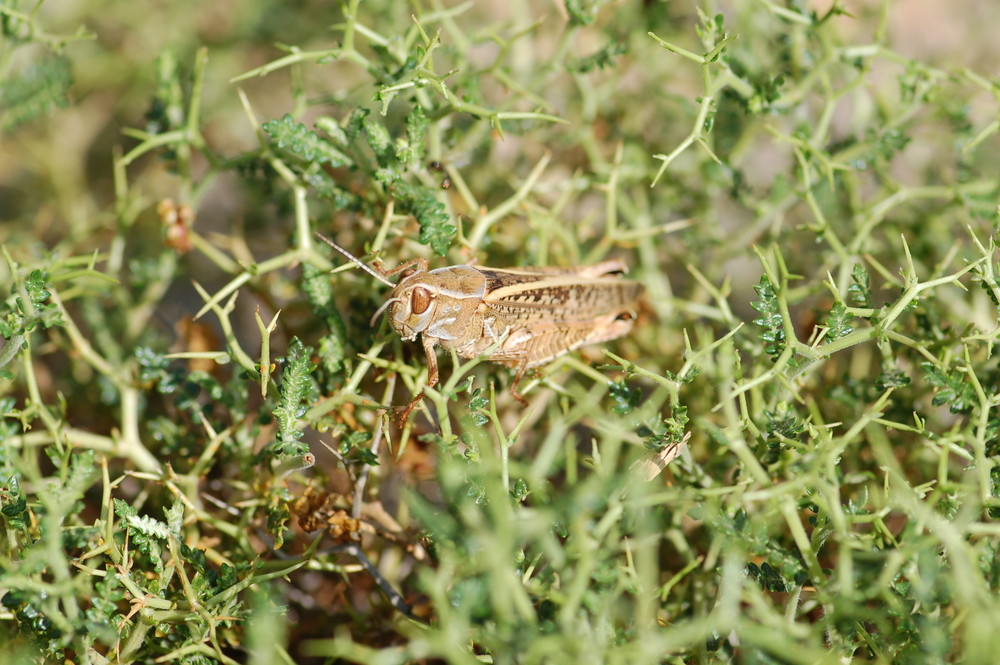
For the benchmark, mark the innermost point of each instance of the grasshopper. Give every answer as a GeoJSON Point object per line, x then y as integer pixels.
{"type": "Point", "coordinates": [522, 317]}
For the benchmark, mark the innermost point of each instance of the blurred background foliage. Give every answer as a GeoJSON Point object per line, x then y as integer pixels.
{"type": "Point", "coordinates": [808, 190]}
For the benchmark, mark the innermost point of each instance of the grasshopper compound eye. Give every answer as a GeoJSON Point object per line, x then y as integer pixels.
{"type": "Point", "coordinates": [420, 300]}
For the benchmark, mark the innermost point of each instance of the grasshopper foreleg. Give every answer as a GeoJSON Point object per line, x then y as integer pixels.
{"type": "Point", "coordinates": [521, 368]}
{"type": "Point", "coordinates": [432, 376]}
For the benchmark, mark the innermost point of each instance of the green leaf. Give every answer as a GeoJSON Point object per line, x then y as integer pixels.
{"type": "Point", "coordinates": [665, 432]}
{"type": "Point", "coordinates": [34, 92]}
{"type": "Point", "coordinates": [294, 389]}
{"type": "Point", "coordinates": [520, 491]}
{"type": "Point", "coordinates": [416, 130]}
{"type": "Point", "coordinates": [166, 108]}
{"type": "Point", "coordinates": [356, 123]}
{"type": "Point", "coordinates": [600, 60]}
{"type": "Point", "coordinates": [477, 407]}
{"type": "Point", "coordinates": [278, 514]}
{"type": "Point", "coordinates": [859, 292]}
{"type": "Point", "coordinates": [297, 139]}
{"type": "Point", "coordinates": [436, 229]}
{"type": "Point", "coordinates": [379, 140]}
{"type": "Point", "coordinates": [768, 577]}
{"type": "Point", "coordinates": [891, 378]}
{"type": "Point", "coordinates": [626, 398]}
{"type": "Point", "coordinates": [838, 321]}
{"type": "Point", "coordinates": [329, 125]}
{"type": "Point", "coordinates": [772, 322]}
{"type": "Point", "coordinates": [318, 288]}
{"type": "Point", "coordinates": [783, 426]}
{"type": "Point", "coordinates": [175, 516]}
{"type": "Point", "coordinates": [353, 442]}
{"type": "Point", "coordinates": [143, 524]}
{"type": "Point", "coordinates": [954, 388]}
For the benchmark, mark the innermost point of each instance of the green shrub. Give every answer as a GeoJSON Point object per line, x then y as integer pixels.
{"type": "Point", "coordinates": [199, 459]}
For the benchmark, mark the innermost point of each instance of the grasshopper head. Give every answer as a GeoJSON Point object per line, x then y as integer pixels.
{"type": "Point", "coordinates": [435, 302]}
{"type": "Point", "coordinates": [411, 309]}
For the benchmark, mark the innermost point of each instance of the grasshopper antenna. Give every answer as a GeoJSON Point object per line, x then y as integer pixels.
{"type": "Point", "coordinates": [355, 259]}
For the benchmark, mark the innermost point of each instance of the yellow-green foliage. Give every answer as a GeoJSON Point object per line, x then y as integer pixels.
{"type": "Point", "coordinates": [198, 457]}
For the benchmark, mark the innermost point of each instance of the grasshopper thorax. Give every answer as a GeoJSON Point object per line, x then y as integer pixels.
{"type": "Point", "coordinates": [437, 302]}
